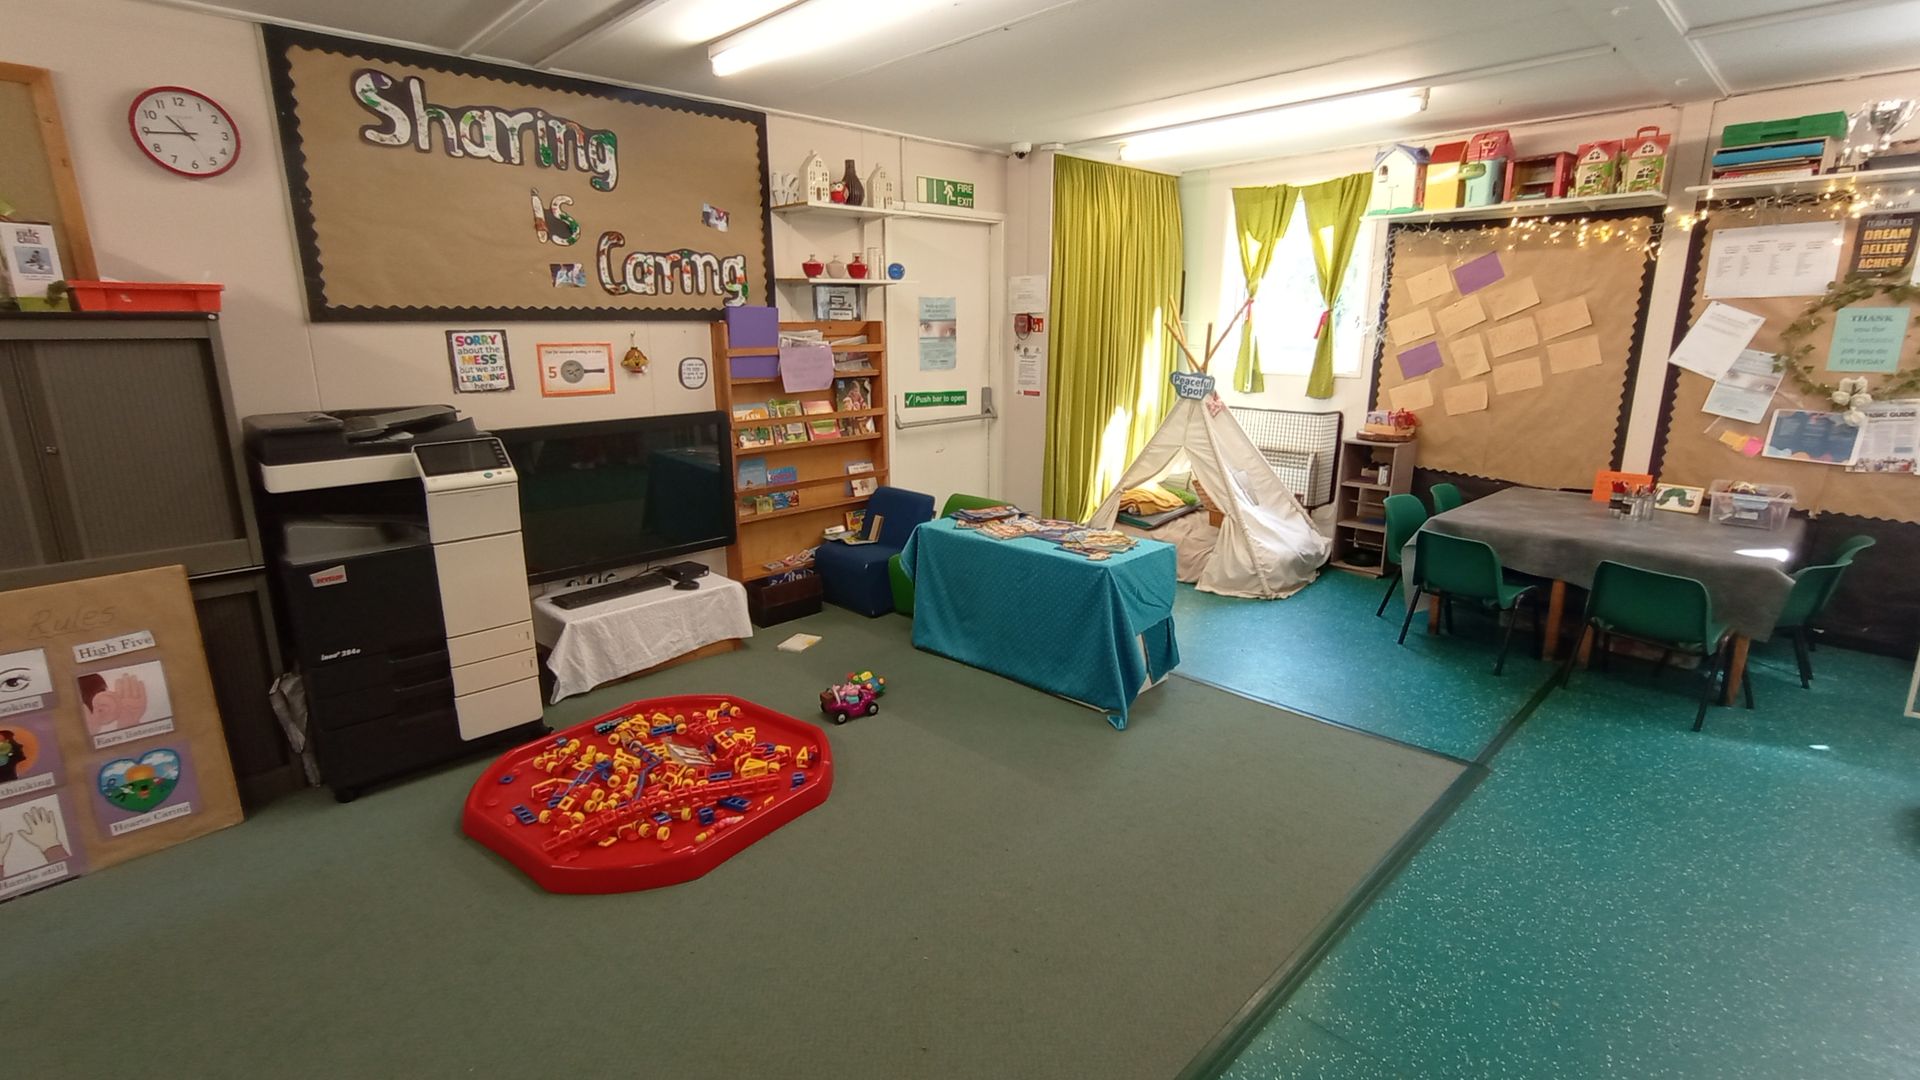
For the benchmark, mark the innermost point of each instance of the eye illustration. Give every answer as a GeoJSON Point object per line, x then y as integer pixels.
{"type": "Point", "coordinates": [14, 680]}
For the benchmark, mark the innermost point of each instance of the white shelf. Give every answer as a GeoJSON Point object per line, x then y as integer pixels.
{"type": "Point", "coordinates": [1743, 189]}
{"type": "Point", "coordinates": [1572, 204]}
{"type": "Point", "coordinates": [839, 281]}
{"type": "Point", "coordinates": [833, 210]}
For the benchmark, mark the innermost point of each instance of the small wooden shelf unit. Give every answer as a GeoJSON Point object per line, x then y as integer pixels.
{"type": "Point", "coordinates": [823, 484]}
{"type": "Point", "coordinates": [1360, 515]}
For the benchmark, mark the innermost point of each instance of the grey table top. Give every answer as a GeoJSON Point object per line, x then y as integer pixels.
{"type": "Point", "coordinates": [1566, 535]}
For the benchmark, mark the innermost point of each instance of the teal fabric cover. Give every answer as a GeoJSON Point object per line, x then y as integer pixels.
{"type": "Point", "coordinates": [1045, 617]}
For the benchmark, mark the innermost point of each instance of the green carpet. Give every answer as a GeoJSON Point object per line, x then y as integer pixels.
{"type": "Point", "coordinates": [1322, 652]}
{"type": "Point", "coordinates": [1622, 897]}
{"type": "Point", "coordinates": [999, 886]}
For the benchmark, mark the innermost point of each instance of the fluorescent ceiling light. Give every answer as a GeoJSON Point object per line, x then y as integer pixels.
{"type": "Point", "coordinates": [806, 28]}
{"type": "Point", "coordinates": [705, 20]}
{"type": "Point", "coordinates": [1274, 125]}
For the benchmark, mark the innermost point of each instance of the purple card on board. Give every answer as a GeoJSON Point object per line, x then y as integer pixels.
{"type": "Point", "coordinates": [1479, 273]}
{"type": "Point", "coordinates": [1419, 360]}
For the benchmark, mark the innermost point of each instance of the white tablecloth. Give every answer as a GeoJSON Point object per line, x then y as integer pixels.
{"type": "Point", "coordinates": [615, 638]}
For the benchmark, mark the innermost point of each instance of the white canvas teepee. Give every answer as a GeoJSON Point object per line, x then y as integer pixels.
{"type": "Point", "coordinates": [1267, 545]}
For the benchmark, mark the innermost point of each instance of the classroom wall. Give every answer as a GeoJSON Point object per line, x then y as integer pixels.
{"type": "Point", "coordinates": [1023, 420]}
{"type": "Point", "coordinates": [237, 229]}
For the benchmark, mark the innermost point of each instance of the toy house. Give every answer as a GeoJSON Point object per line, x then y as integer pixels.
{"type": "Point", "coordinates": [1399, 175]}
{"type": "Point", "coordinates": [1546, 176]}
{"type": "Point", "coordinates": [1597, 170]}
{"type": "Point", "coordinates": [1443, 188]}
{"type": "Point", "coordinates": [1645, 168]}
{"type": "Point", "coordinates": [1488, 172]}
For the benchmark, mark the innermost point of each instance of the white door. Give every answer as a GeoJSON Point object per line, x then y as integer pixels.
{"type": "Point", "coordinates": [946, 261]}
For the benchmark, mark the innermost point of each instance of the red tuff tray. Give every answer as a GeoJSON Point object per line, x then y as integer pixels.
{"type": "Point", "coordinates": [712, 773]}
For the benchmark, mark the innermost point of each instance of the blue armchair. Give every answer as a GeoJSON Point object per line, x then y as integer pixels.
{"type": "Point", "coordinates": [855, 576]}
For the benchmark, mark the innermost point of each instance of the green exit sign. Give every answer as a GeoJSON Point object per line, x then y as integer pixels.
{"type": "Point", "coordinates": [946, 192]}
{"type": "Point", "coordinates": [920, 399]}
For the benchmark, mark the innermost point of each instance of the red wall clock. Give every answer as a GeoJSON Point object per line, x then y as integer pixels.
{"type": "Point", "coordinates": [184, 131]}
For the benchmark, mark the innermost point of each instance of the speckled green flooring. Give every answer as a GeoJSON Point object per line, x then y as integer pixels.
{"type": "Point", "coordinates": [1323, 653]}
{"type": "Point", "coordinates": [1621, 897]}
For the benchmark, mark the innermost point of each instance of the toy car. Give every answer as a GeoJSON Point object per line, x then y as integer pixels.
{"type": "Point", "coordinates": [844, 701]}
{"type": "Point", "coordinates": [878, 683]}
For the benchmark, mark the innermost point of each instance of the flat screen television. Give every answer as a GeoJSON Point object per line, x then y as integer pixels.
{"type": "Point", "coordinates": [613, 493]}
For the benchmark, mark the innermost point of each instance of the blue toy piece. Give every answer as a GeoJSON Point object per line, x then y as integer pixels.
{"type": "Point", "coordinates": [705, 814]}
{"type": "Point", "coordinates": [799, 778]}
{"type": "Point", "coordinates": [526, 816]}
{"type": "Point", "coordinates": [507, 779]}
{"type": "Point", "coordinates": [716, 777]}
{"type": "Point", "coordinates": [661, 729]}
{"type": "Point", "coordinates": [662, 817]}
{"type": "Point", "coordinates": [736, 803]}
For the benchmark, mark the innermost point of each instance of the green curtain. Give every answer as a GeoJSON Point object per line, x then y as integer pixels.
{"type": "Point", "coordinates": [1333, 213]}
{"type": "Point", "coordinates": [1117, 262]}
{"type": "Point", "coordinates": [1260, 216]}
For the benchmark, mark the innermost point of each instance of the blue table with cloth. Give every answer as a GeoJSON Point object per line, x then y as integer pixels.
{"type": "Point", "coordinates": [1096, 631]}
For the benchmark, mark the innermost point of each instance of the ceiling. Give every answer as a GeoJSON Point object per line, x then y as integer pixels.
{"type": "Point", "coordinates": [1083, 72]}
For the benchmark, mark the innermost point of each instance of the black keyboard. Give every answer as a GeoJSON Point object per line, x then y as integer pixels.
{"type": "Point", "coordinates": [637, 584]}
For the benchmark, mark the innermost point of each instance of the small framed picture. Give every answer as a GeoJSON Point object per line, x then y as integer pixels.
{"type": "Point", "coordinates": [1679, 498]}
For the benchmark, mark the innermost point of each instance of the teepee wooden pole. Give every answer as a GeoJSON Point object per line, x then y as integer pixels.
{"type": "Point", "coordinates": [1180, 338]}
{"type": "Point", "coordinates": [1228, 332]}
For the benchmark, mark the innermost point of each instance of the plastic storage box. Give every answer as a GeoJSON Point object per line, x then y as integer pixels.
{"type": "Point", "coordinates": [145, 296]}
{"type": "Point", "coordinates": [1829, 125]}
{"type": "Point", "coordinates": [1766, 507]}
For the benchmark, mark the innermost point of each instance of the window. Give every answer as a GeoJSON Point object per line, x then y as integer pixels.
{"type": "Point", "coordinates": [1288, 306]}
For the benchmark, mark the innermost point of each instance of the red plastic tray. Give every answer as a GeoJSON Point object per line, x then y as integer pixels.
{"type": "Point", "coordinates": [565, 856]}
{"type": "Point", "coordinates": [145, 295]}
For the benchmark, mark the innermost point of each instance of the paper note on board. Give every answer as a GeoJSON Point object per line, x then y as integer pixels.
{"type": "Point", "coordinates": [1476, 274]}
{"type": "Point", "coordinates": [1889, 439]}
{"type": "Point", "coordinates": [1734, 440]}
{"type": "Point", "coordinates": [1800, 259]}
{"type": "Point", "coordinates": [1517, 376]}
{"type": "Point", "coordinates": [1466, 398]}
{"type": "Point", "coordinates": [1469, 355]}
{"type": "Point", "coordinates": [1512, 299]}
{"type": "Point", "coordinates": [1411, 327]}
{"type": "Point", "coordinates": [1430, 285]}
{"type": "Point", "coordinates": [1715, 341]}
{"type": "Point", "coordinates": [1508, 338]}
{"type": "Point", "coordinates": [1419, 360]}
{"type": "Point", "coordinates": [1414, 395]}
{"type": "Point", "coordinates": [1564, 317]}
{"type": "Point", "coordinates": [1461, 316]}
{"type": "Point", "coordinates": [1868, 338]}
{"type": "Point", "coordinates": [1574, 354]}
{"type": "Point", "coordinates": [1745, 392]}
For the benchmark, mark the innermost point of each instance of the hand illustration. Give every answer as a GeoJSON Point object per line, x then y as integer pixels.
{"type": "Point", "coordinates": [41, 828]}
{"type": "Point", "coordinates": [121, 706]}
{"type": "Point", "coordinates": [6, 841]}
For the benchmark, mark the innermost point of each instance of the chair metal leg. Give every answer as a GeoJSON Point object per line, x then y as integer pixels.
{"type": "Point", "coordinates": [1665, 655]}
{"type": "Point", "coordinates": [1411, 608]}
{"type": "Point", "coordinates": [1446, 611]}
{"type": "Point", "coordinates": [1533, 616]}
{"type": "Point", "coordinates": [1605, 645]}
{"type": "Point", "coordinates": [1506, 639]}
{"type": "Point", "coordinates": [1391, 586]}
{"type": "Point", "coordinates": [1746, 685]}
{"type": "Point", "coordinates": [1800, 656]}
{"type": "Point", "coordinates": [1573, 657]}
{"type": "Point", "coordinates": [1713, 690]}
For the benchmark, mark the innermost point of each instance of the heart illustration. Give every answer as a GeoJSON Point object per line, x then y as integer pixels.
{"type": "Point", "coordinates": [143, 784]}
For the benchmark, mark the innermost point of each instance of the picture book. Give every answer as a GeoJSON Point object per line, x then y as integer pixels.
{"type": "Point", "coordinates": [861, 486]}
{"type": "Point", "coordinates": [753, 437]}
{"type": "Point", "coordinates": [852, 395]}
{"type": "Point", "coordinates": [856, 519]}
{"type": "Point", "coordinates": [855, 468]}
{"type": "Point", "coordinates": [817, 407]}
{"type": "Point", "coordinates": [790, 433]}
{"type": "Point", "coordinates": [859, 425]}
{"type": "Point", "coordinates": [750, 412]}
{"type": "Point", "coordinates": [783, 407]}
{"type": "Point", "coordinates": [784, 474]}
{"type": "Point", "coordinates": [785, 500]}
{"type": "Point", "coordinates": [824, 429]}
{"type": "Point", "coordinates": [752, 472]}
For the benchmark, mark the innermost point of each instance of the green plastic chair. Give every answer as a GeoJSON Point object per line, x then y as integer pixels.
{"type": "Point", "coordinates": [1405, 515]}
{"type": "Point", "coordinates": [1667, 610]}
{"type": "Point", "coordinates": [1813, 589]}
{"type": "Point", "coordinates": [897, 578]}
{"type": "Point", "coordinates": [1445, 497]}
{"type": "Point", "coordinates": [1454, 566]}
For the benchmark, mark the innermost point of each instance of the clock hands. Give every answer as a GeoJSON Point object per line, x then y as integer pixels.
{"type": "Point", "coordinates": [150, 131]}
{"type": "Point", "coordinates": [183, 129]}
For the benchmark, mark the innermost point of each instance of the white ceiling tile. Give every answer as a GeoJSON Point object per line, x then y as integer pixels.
{"type": "Point", "coordinates": [1831, 47]}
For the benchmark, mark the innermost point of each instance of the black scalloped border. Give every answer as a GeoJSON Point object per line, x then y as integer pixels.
{"type": "Point", "coordinates": [280, 40]}
{"type": "Point", "coordinates": [1656, 226]}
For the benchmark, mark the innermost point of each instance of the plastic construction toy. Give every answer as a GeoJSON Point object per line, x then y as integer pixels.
{"type": "Point", "coordinates": [844, 701]}
{"type": "Point", "coordinates": [878, 683]}
{"type": "Point", "coordinates": [654, 793]}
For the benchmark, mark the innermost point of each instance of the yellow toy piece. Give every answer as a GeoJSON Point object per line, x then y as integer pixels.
{"type": "Point", "coordinates": [664, 833]}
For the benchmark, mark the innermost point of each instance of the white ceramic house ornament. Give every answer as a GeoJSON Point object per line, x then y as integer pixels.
{"type": "Point", "coordinates": [819, 182]}
{"type": "Point", "coordinates": [880, 190]}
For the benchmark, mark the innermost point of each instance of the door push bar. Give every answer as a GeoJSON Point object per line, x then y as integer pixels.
{"type": "Point", "coordinates": [986, 413]}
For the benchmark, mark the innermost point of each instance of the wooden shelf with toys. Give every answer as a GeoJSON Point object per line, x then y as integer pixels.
{"type": "Point", "coordinates": [1360, 516]}
{"type": "Point", "coordinates": [790, 477]}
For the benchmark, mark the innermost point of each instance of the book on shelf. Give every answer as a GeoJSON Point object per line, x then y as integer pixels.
{"type": "Point", "coordinates": [852, 394]}
{"type": "Point", "coordinates": [784, 474]}
{"type": "Point", "coordinates": [859, 425]}
{"type": "Point", "coordinates": [752, 472]}
{"type": "Point", "coordinates": [786, 500]}
{"type": "Point", "coordinates": [756, 411]}
{"type": "Point", "coordinates": [777, 407]}
{"type": "Point", "coordinates": [754, 437]}
{"type": "Point", "coordinates": [862, 486]}
{"type": "Point", "coordinates": [836, 303]}
{"type": "Point", "coordinates": [856, 468]}
{"type": "Point", "coordinates": [790, 433]}
{"type": "Point", "coordinates": [855, 520]}
{"type": "Point", "coordinates": [822, 430]}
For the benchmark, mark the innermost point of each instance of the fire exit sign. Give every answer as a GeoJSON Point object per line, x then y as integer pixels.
{"type": "Point", "coordinates": [920, 399]}
{"type": "Point", "coordinates": [946, 192]}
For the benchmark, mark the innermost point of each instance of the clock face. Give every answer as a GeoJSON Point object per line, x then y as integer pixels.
{"type": "Point", "coordinates": [184, 132]}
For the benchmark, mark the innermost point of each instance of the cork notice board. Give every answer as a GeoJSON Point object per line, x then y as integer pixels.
{"type": "Point", "coordinates": [428, 187]}
{"type": "Point", "coordinates": [1688, 449]}
{"type": "Point", "coordinates": [110, 742]}
{"type": "Point", "coordinates": [1517, 359]}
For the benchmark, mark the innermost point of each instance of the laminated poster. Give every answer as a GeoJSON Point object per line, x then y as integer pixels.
{"type": "Point", "coordinates": [24, 683]}
{"type": "Point", "coordinates": [37, 846]}
{"type": "Point", "coordinates": [939, 333]}
{"type": "Point", "coordinates": [122, 704]}
{"type": "Point", "coordinates": [1806, 435]}
{"type": "Point", "coordinates": [29, 755]}
{"type": "Point", "coordinates": [1890, 439]}
{"type": "Point", "coordinates": [141, 790]}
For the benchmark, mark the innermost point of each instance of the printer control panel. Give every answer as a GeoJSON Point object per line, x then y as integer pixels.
{"type": "Point", "coordinates": [463, 464]}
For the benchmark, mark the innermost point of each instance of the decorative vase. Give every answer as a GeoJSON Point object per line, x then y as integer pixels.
{"type": "Point", "coordinates": [836, 268]}
{"type": "Point", "coordinates": [857, 269]}
{"type": "Point", "coordinates": [856, 191]}
{"type": "Point", "coordinates": [813, 267]}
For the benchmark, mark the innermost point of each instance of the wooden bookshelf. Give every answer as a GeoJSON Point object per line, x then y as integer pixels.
{"type": "Point", "coordinates": [822, 483]}
{"type": "Point", "coordinates": [1360, 518]}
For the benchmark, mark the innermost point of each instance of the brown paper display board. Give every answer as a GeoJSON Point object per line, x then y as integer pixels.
{"type": "Point", "coordinates": [1688, 448]}
{"type": "Point", "coordinates": [427, 186]}
{"type": "Point", "coordinates": [1514, 390]}
{"type": "Point", "coordinates": [110, 742]}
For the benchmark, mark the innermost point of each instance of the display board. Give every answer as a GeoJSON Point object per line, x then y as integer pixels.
{"type": "Point", "coordinates": [111, 745]}
{"type": "Point", "coordinates": [36, 170]}
{"type": "Point", "coordinates": [1690, 447]}
{"type": "Point", "coordinates": [1515, 343]}
{"type": "Point", "coordinates": [426, 186]}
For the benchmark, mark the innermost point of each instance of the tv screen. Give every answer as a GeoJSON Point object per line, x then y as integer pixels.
{"type": "Point", "coordinates": [620, 492]}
